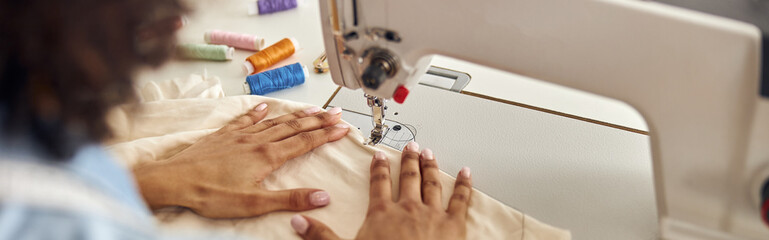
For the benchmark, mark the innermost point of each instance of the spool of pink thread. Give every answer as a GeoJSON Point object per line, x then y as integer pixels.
{"type": "Point", "coordinates": [237, 40]}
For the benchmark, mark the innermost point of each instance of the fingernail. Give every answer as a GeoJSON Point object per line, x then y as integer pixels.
{"type": "Point", "coordinates": [319, 198]}
{"type": "Point", "coordinates": [260, 107]}
{"type": "Point", "coordinates": [427, 154]}
{"type": "Point", "coordinates": [412, 146]}
{"type": "Point", "coordinates": [312, 110]}
{"type": "Point", "coordinates": [335, 111]}
{"type": "Point", "coordinates": [299, 224]}
{"type": "Point", "coordinates": [342, 125]}
{"type": "Point", "coordinates": [465, 172]}
{"type": "Point", "coordinates": [379, 155]}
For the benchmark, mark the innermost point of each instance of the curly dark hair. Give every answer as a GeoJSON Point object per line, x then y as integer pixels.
{"type": "Point", "coordinates": [64, 64]}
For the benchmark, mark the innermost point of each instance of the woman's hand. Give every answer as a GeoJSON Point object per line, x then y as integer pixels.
{"type": "Point", "coordinates": [220, 175]}
{"type": "Point", "coordinates": [416, 215]}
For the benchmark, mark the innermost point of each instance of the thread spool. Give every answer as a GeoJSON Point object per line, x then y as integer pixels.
{"type": "Point", "coordinates": [237, 40]}
{"type": "Point", "coordinates": [270, 55]}
{"type": "Point", "coordinates": [205, 51]}
{"type": "Point", "coordinates": [270, 6]}
{"type": "Point", "coordinates": [275, 79]}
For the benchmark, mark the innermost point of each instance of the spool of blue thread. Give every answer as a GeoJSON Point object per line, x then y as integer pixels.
{"type": "Point", "coordinates": [276, 79]}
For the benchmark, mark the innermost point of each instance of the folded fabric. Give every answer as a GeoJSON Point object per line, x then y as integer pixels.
{"type": "Point", "coordinates": [159, 129]}
{"type": "Point", "coordinates": [193, 86]}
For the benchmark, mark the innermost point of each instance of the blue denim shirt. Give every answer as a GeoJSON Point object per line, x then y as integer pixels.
{"type": "Point", "coordinates": [87, 197]}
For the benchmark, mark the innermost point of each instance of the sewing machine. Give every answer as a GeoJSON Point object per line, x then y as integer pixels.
{"type": "Point", "coordinates": [694, 77]}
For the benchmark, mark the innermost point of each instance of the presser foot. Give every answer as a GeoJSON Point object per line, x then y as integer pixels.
{"type": "Point", "coordinates": [378, 118]}
{"type": "Point", "coordinates": [377, 134]}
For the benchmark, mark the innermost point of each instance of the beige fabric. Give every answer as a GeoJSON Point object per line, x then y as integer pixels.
{"type": "Point", "coordinates": [194, 86]}
{"type": "Point", "coordinates": [162, 128]}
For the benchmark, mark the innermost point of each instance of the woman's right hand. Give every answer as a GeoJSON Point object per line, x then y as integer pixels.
{"type": "Point", "coordinates": [221, 175]}
{"type": "Point", "coordinates": [417, 214]}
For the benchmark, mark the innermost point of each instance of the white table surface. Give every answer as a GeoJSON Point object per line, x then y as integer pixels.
{"type": "Point", "coordinates": [303, 24]}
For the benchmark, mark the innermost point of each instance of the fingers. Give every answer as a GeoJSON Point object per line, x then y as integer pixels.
{"type": "Point", "coordinates": [431, 184]}
{"type": "Point", "coordinates": [278, 152]}
{"type": "Point", "coordinates": [461, 197]}
{"type": "Point", "coordinates": [294, 126]}
{"type": "Point", "coordinates": [251, 117]}
{"type": "Point", "coordinates": [294, 200]}
{"type": "Point", "coordinates": [311, 229]}
{"type": "Point", "coordinates": [381, 185]}
{"type": "Point", "coordinates": [284, 118]}
{"type": "Point", "coordinates": [410, 179]}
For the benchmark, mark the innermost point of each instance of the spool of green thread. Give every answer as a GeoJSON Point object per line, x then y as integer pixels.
{"type": "Point", "coordinates": [206, 51]}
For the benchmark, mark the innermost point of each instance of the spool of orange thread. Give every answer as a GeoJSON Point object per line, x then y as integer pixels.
{"type": "Point", "coordinates": [270, 55]}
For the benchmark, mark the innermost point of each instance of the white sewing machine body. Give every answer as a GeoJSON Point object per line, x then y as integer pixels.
{"type": "Point", "coordinates": [694, 78]}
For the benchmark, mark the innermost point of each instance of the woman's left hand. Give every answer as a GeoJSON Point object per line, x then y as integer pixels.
{"type": "Point", "coordinates": [220, 175]}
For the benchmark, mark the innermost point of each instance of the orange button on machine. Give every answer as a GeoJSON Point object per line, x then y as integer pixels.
{"type": "Point", "coordinates": [400, 94]}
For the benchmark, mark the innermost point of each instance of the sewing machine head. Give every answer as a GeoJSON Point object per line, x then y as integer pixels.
{"type": "Point", "coordinates": [363, 53]}
{"type": "Point", "coordinates": [694, 77]}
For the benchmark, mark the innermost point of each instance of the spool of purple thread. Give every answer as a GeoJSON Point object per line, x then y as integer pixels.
{"type": "Point", "coordinates": [271, 6]}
